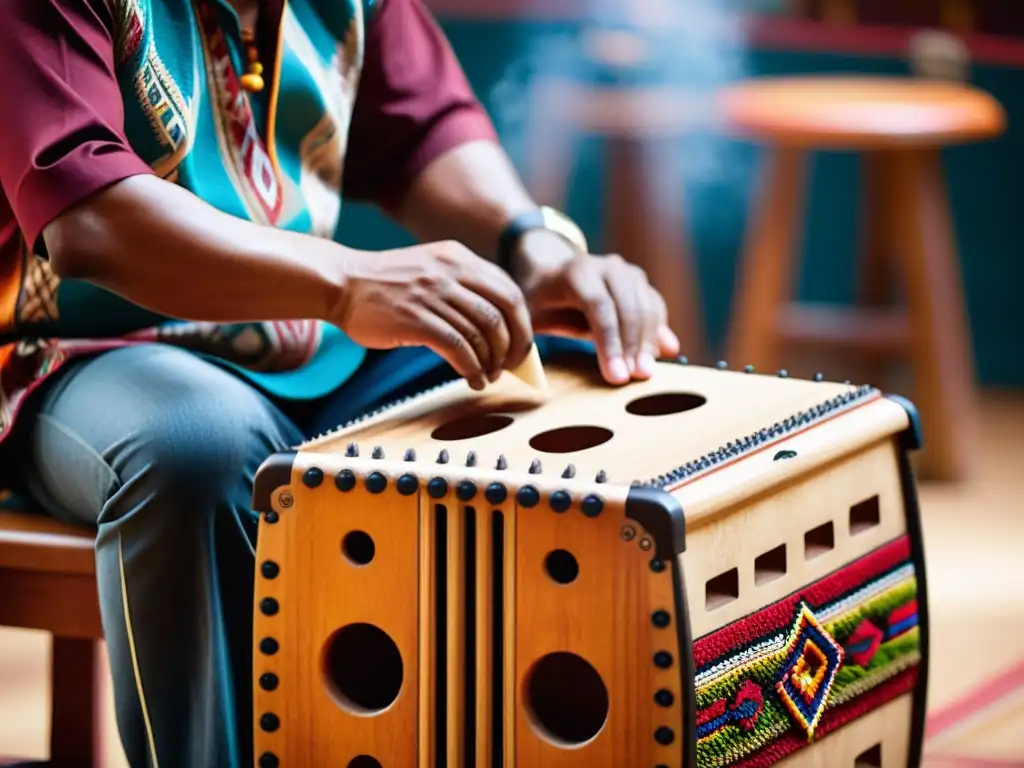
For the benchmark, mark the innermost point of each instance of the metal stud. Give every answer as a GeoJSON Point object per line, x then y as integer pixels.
{"type": "Point", "coordinates": [683, 360]}
{"type": "Point", "coordinates": [269, 722]}
{"type": "Point", "coordinates": [269, 760]}
{"type": "Point", "coordinates": [378, 452]}
{"type": "Point", "coordinates": [784, 455]}
{"type": "Point", "coordinates": [560, 501]}
{"type": "Point", "coordinates": [442, 457]}
{"type": "Point", "coordinates": [819, 377]}
{"type": "Point", "coordinates": [407, 484]}
{"type": "Point", "coordinates": [722, 365]}
{"type": "Point", "coordinates": [270, 517]}
{"type": "Point", "coordinates": [663, 659]}
{"type": "Point", "coordinates": [376, 482]}
{"type": "Point", "coordinates": [569, 472]}
{"type": "Point", "coordinates": [783, 374]}
{"type": "Point", "coordinates": [592, 506]}
{"type": "Point", "coordinates": [664, 736]}
{"type": "Point", "coordinates": [345, 480]}
{"type": "Point", "coordinates": [646, 545]}
{"type": "Point", "coordinates": [312, 477]}
{"type": "Point", "coordinates": [286, 500]}
{"type": "Point", "coordinates": [661, 619]}
{"type": "Point", "coordinates": [502, 463]}
{"type": "Point", "coordinates": [664, 698]}
{"type": "Point", "coordinates": [410, 454]}
{"type": "Point", "coordinates": [269, 606]}
{"type": "Point", "coordinates": [352, 450]}
{"type": "Point", "coordinates": [657, 565]}
{"type": "Point", "coordinates": [269, 646]}
{"type": "Point", "coordinates": [270, 569]}
{"type": "Point", "coordinates": [535, 467]}
{"type": "Point", "coordinates": [268, 681]}
{"type": "Point", "coordinates": [528, 496]}
{"type": "Point", "coordinates": [466, 490]}
{"type": "Point", "coordinates": [496, 493]}
{"type": "Point", "coordinates": [437, 488]}
{"type": "Point", "coordinates": [749, 369]}
{"type": "Point", "coordinates": [471, 459]}
{"type": "Point", "coordinates": [602, 477]}
{"type": "Point", "coordinates": [628, 533]}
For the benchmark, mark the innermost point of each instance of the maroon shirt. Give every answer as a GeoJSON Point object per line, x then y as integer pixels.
{"type": "Point", "coordinates": [62, 136]}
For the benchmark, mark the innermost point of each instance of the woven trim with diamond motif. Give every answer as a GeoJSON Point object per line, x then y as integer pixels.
{"type": "Point", "coordinates": [787, 675]}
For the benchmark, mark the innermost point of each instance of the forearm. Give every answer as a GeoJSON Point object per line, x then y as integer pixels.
{"type": "Point", "coordinates": [469, 194]}
{"type": "Point", "coordinates": [159, 246]}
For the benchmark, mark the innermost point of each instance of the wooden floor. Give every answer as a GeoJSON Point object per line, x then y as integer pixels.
{"type": "Point", "coordinates": [974, 538]}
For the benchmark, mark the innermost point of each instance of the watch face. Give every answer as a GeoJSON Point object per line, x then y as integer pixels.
{"type": "Point", "coordinates": [558, 222]}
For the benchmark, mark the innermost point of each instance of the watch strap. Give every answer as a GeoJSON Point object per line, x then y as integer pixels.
{"type": "Point", "coordinates": [545, 218]}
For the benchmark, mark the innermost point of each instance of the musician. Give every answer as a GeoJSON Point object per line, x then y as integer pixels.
{"type": "Point", "coordinates": [176, 307]}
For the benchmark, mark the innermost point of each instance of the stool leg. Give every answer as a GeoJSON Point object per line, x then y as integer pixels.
{"type": "Point", "coordinates": [765, 278]}
{"type": "Point", "coordinates": [645, 225]}
{"type": "Point", "coordinates": [74, 720]}
{"type": "Point", "coordinates": [940, 347]}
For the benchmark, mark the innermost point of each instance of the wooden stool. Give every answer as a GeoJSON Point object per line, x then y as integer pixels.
{"type": "Point", "coordinates": [900, 126]}
{"type": "Point", "coordinates": [644, 219]}
{"type": "Point", "coordinates": [47, 569]}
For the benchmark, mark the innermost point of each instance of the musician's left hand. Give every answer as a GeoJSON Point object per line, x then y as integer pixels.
{"type": "Point", "coordinates": [601, 298]}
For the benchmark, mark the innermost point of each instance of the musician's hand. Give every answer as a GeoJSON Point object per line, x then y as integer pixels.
{"type": "Point", "coordinates": [442, 296]}
{"type": "Point", "coordinates": [602, 298]}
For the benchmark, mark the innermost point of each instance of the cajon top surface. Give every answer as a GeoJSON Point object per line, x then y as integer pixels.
{"type": "Point", "coordinates": [678, 425]}
{"type": "Point", "coordinates": [861, 113]}
{"type": "Point", "coordinates": [35, 542]}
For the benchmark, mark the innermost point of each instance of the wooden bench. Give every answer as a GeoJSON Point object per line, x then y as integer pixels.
{"type": "Point", "coordinates": [48, 578]}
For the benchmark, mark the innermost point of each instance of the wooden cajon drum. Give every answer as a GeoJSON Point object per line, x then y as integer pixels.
{"type": "Point", "coordinates": [710, 568]}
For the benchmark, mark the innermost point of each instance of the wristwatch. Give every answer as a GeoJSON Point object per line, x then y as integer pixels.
{"type": "Point", "coordinates": [545, 218]}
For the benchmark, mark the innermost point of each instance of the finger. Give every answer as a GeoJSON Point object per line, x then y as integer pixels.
{"type": "Point", "coordinates": [493, 284]}
{"type": "Point", "coordinates": [622, 281]}
{"type": "Point", "coordinates": [488, 331]}
{"type": "Point", "coordinates": [452, 306]}
{"type": "Point", "coordinates": [437, 334]}
{"type": "Point", "coordinates": [667, 342]}
{"type": "Point", "coordinates": [650, 346]}
{"type": "Point", "coordinates": [603, 319]}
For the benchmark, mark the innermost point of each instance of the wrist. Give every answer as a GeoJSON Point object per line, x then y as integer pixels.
{"type": "Point", "coordinates": [538, 238]}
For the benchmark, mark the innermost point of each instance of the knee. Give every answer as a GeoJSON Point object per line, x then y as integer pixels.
{"type": "Point", "coordinates": [201, 451]}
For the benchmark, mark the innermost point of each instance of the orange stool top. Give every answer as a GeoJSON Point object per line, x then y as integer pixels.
{"type": "Point", "coordinates": [861, 112]}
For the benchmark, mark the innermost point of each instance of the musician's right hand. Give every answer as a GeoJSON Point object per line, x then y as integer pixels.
{"type": "Point", "coordinates": [438, 295]}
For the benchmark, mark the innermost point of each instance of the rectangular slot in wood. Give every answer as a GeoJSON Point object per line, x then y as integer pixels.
{"type": "Point", "coordinates": [818, 541]}
{"type": "Point", "coordinates": [497, 640]}
{"type": "Point", "coordinates": [770, 566]}
{"type": "Point", "coordinates": [869, 758]}
{"type": "Point", "coordinates": [440, 635]}
{"type": "Point", "coordinates": [469, 574]}
{"type": "Point", "coordinates": [865, 515]}
{"type": "Point", "coordinates": [722, 589]}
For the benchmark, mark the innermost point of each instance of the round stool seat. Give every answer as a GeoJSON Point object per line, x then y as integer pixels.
{"type": "Point", "coordinates": [861, 113]}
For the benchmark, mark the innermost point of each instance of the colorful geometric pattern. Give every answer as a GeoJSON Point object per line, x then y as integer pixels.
{"type": "Point", "coordinates": [784, 677]}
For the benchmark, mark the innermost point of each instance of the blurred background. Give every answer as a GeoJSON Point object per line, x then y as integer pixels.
{"type": "Point", "coordinates": [770, 206]}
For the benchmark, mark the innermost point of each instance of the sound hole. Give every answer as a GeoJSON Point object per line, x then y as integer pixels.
{"type": "Point", "coordinates": [570, 439]}
{"type": "Point", "coordinates": [469, 427]}
{"type": "Point", "coordinates": [562, 566]}
{"type": "Point", "coordinates": [358, 547]}
{"type": "Point", "coordinates": [665, 404]}
{"type": "Point", "coordinates": [364, 761]}
{"type": "Point", "coordinates": [363, 668]}
{"type": "Point", "coordinates": [567, 698]}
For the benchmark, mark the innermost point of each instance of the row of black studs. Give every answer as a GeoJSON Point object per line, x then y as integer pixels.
{"type": "Point", "coordinates": [663, 697]}
{"type": "Point", "coordinates": [268, 681]}
{"type": "Point", "coordinates": [496, 493]}
{"type": "Point", "coordinates": [738, 447]}
{"type": "Point", "coordinates": [352, 451]}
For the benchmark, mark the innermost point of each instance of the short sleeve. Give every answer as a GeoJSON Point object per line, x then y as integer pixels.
{"type": "Point", "coordinates": [62, 133]}
{"type": "Point", "coordinates": [414, 103]}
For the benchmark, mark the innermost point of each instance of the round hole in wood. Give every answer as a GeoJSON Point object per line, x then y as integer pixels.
{"type": "Point", "coordinates": [562, 566]}
{"type": "Point", "coordinates": [665, 404]}
{"type": "Point", "coordinates": [363, 668]}
{"type": "Point", "coordinates": [567, 698]}
{"type": "Point", "coordinates": [358, 547]}
{"type": "Point", "coordinates": [570, 439]}
{"type": "Point", "coordinates": [468, 427]}
{"type": "Point", "coordinates": [364, 761]}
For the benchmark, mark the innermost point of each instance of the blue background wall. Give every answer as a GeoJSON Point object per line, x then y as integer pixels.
{"type": "Point", "coordinates": [984, 181]}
